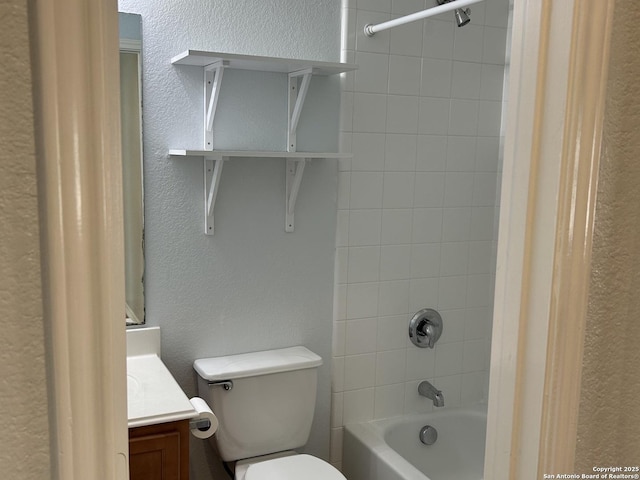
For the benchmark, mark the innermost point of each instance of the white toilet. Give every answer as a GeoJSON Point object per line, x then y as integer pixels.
{"type": "Point", "coordinates": [265, 402]}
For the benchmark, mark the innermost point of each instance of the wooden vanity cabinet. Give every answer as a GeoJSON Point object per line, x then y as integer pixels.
{"type": "Point", "coordinates": [159, 452]}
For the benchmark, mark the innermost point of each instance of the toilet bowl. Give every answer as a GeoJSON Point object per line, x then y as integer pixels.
{"type": "Point", "coordinates": [265, 402]}
{"type": "Point", "coordinates": [286, 466]}
{"type": "Point", "coordinates": [294, 467]}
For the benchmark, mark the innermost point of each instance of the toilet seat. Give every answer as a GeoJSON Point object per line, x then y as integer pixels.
{"type": "Point", "coordinates": [293, 467]}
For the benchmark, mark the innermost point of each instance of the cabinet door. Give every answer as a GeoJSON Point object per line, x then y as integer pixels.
{"type": "Point", "coordinates": [155, 457]}
{"type": "Point", "coordinates": [159, 452]}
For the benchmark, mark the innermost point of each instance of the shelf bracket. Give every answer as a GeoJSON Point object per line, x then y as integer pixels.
{"type": "Point", "coordinates": [212, 83]}
{"type": "Point", "coordinates": [295, 169]}
{"type": "Point", "coordinates": [297, 96]}
{"type": "Point", "coordinates": [212, 174]}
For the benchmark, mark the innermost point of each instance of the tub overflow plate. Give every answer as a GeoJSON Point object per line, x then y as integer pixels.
{"type": "Point", "coordinates": [428, 435]}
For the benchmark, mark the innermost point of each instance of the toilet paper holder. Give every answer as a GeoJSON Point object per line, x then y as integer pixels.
{"type": "Point", "coordinates": [205, 423]}
{"type": "Point", "coordinates": [201, 424]}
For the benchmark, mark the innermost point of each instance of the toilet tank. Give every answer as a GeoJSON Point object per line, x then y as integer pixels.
{"type": "Point", "coordinates": [269, 407]}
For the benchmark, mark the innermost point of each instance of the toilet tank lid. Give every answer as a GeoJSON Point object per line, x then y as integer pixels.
{"type": "Point", "coordinates": [252, 364]}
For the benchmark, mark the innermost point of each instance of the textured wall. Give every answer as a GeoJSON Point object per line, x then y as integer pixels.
{"type": "Point", "coordinates": [251, 286]}
{"type": "Point", "coordinates": [609, 407]}
{"type": "Point", "coordinates": [24, 444]}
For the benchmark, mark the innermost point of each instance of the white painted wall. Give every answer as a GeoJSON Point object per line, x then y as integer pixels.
{"type": "Point", "coordinates": [417, 205]}
{"type": "Point", "coordinates": [251, 286]}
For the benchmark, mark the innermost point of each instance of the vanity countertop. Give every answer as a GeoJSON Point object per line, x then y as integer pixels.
{"type": "Point", "coordinates": [153, 395]}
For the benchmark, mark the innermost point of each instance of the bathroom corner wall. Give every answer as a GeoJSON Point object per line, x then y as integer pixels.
{"type": "Point", "coordinates": [609, 409]}
{"type": "Point", "coordinates": [251, 286]}
{"type": "Point", "coordinates": [417, 204]}
{"type": "Point", "coordinates": [24, 421]}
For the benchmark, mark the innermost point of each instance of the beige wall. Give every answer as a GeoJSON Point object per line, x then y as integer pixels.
{"type": "Point", "coordinates": [609, 408]}
{"type": "Point", "coordinates": [24, 441]}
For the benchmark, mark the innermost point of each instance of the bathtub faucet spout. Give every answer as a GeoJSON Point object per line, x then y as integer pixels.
{"type": "Point", "coordinates": [427, 390]}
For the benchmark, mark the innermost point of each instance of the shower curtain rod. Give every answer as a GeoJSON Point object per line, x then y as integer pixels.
{"type": "Point", "coordinates": [369, 29]}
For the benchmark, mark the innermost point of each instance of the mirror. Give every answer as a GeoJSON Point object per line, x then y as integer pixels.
{"type": "Point", "coordinates": [132, 183]}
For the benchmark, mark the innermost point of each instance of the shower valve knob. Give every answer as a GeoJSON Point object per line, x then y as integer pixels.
{"type": "Point", "coordinates": [425, 328]}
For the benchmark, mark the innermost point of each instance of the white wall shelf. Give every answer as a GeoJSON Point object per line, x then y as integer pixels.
{"type": "Point", "coordinates": [213, 160]}
{"type": "Point", "coordinates": [299, 73]}
{"type": "Point", "coordinates": [255, 153]}
{"type": "Point", "coordinates": [263, 64]}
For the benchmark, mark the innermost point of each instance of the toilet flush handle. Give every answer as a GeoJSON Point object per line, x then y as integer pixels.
{"type": "Point", "coordinates": [226, 384]}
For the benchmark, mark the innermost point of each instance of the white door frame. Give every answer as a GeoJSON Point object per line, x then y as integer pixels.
{"type": "Point", "coordinates": [559, 62]}
{"type": "Point", "coordinates": [77, 107]}
{"type": "Point", "coordinates": [550, 174]}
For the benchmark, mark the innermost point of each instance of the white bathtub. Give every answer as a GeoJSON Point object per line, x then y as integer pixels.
{"type": "Point", "coordinates": [390, 449]}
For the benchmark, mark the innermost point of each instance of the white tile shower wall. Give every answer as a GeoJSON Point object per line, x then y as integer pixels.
{"type": "Point", "coordinates": [417, 205]}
